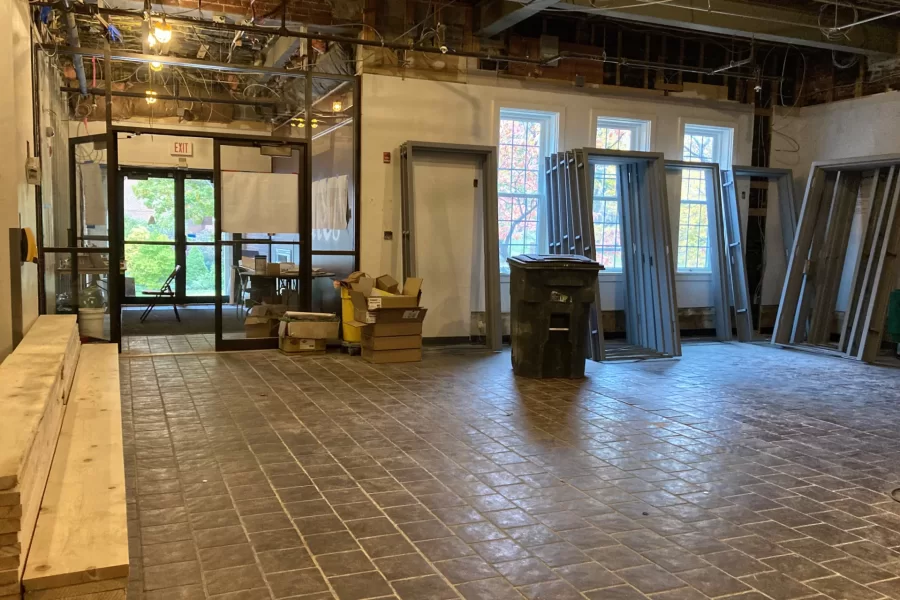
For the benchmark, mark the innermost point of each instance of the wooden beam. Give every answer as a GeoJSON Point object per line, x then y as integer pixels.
{"type": "Point", "coordinates": [34, 387]}
{"type": "Point", "coordinates": [82, 532]}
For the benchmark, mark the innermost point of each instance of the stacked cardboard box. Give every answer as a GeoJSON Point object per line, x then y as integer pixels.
{"type": "Point", "coordinates": [300, 332]}
{"type": "Point", "coordinates": [390, 318]}
{"type": "Point", "coordinates": [262, 320]}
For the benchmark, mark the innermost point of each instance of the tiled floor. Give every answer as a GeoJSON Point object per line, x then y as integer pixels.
{"type": "Point", "coordinates": [168, 344]}
{"type": "Point", "coordinates": [739, 471]}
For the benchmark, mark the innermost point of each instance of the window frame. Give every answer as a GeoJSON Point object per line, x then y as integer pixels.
{"type": "Point", "coordinates": [550, 128]}
{"type": "Point", "coordinates": [723, 149]}
{"type": "Point", "coordinates": [640, 142]}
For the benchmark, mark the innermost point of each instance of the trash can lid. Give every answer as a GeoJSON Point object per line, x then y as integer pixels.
{"type": "Point", "coordinates": [553, 261]}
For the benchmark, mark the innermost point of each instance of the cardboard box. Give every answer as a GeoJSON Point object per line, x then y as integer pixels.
{"type": "Point", "coordinates": [392, 356]}
{"type": "Point", "coordinates": [291, 345]}
{"type": "Point", "coordinates": [262, 320]}
{"type": "Point", "coordinates": [387, 284]}
{"type": "Point", "coordinates": [273, 269]}
{"type": "Point", "coordinates": [259, 264]}
{"type": "Point", "coordinates": [309, 325]}
{"type": "Point", "coordinates": [259, 327]}
{"type": "Point", "coordinates": [350, 279]}
{"type": "Point", "coordinates": [362, 313]}
{"type": "Point", "coordinates": [274, 311]}
{"type": "Point", "coordinates": [399, 342]}
{"type": "Point", "coordinates": [392, 329]}
{"type": "Point", "coordinates": [391, 301]}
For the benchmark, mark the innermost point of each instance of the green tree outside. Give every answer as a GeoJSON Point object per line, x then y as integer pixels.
{"type": "Point", "coordinates": [150, 265]}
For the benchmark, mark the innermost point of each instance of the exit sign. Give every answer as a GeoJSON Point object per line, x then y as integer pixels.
{"type": "Point", "coordinates": [183, 149]}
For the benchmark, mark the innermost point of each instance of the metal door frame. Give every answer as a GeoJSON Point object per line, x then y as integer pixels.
{"type": "Point", "coordinates": [181, 245]}
{"type": "Point", "coordinates": [490, 199]}
{"type": "Point", "coordinates": [719, 256]}
{"type": "Point", "coordinates": [304, 228]}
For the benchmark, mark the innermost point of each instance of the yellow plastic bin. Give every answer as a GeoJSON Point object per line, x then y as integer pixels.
{"type": "Point", "coordinates": [352, 333]}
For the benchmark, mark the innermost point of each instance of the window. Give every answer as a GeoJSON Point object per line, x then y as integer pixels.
{"type": "Point", "coordinates": [526, 137]}
{"type": "Point", "coordinates": [613, 134]}
{"type": "Point", "coordinates": [701, 144]}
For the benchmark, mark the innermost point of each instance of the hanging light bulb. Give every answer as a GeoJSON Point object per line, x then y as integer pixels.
{"type": "Point", "coordinates": [155, 65]}
{"type": "Point", "coordinates": [162, 31]}
{"type": "Point", "coordinates": [151, 41]}
{"type": "Point", "coordinates": [337, 106]}
{"type": "Point", "coordinates": [151, 97]}
{"type": "Point", "coordinates": [314, 123]}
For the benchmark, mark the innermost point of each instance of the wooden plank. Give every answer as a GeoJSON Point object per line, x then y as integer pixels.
{"type": "Point", "coordinates": [93, 589]}
{"type": "Point", "coordinates": [34, 386]}
{"type": "Point", "coordinates": [82, 531]}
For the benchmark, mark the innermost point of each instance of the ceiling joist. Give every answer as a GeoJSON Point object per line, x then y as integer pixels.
{"type": "Point", "coordinates": [774, 24]}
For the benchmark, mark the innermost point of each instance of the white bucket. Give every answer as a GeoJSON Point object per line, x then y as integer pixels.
{"type": "Point", "coordinates": [90, 322]}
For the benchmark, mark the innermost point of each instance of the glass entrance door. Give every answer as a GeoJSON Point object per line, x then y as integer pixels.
{"type": "Point", "coordinates": [168, 229]}
{"type": "Point", "coordinates": [148, 216]}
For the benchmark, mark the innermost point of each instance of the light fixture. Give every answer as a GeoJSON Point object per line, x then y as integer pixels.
{"type": "Point", "coordinates": [155, 65]}
{"type": "Point", "coordinates": [151, 41]}
{"type": "Point", "coordinates": [162, 31]}
{"type": "Point", "coordinates": [337, 106]}
{"type": "Point", "coordinates": [314, 123]}
{"type": "Point", "coordinates": [298, 122]}
{"type": "Point", "coordinates": [151, 97]}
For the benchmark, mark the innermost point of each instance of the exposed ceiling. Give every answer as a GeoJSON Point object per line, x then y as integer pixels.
{"type": "Point", "coordinates": [246, 38]}
{"type": "Point", "coordinates": [864, 27]}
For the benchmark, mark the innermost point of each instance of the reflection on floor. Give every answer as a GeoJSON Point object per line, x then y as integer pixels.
{"type": "Point", "coordinates": [168, 344]}
{"type": "Point", "coordinates": [739, 471]}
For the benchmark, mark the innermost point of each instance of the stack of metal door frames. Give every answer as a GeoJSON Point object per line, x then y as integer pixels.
{"type": "Point", "coordinates": [819, 259]}
{"type": "Point", "coordinates": [728, 284]}
{"type": "Point", "coordinates": [647, 265]}
{"type": "Point", "coordinates": [740, 293]}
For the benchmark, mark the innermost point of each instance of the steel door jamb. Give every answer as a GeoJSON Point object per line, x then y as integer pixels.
{"type": "Point", "coordinates": [488, 155]}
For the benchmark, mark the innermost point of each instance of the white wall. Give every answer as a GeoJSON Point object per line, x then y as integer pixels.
{"type": "Point", "coordinates": [149, 150]}
{"type": "Point", "coordinates": [16, 196]}
{"type": "Point", "coordinates": [395, 110]}
{"type": "Point", "coordinates": [859, 127]}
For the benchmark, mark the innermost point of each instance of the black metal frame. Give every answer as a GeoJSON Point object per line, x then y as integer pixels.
{"type": "Point", "coordinates": [179, 176]}
{"type": "Point", "coordinates": [304, 243]}
{"type": "Point", "coordinates": [115, 248]}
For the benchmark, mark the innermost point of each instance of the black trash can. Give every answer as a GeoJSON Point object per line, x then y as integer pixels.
{"type": "Point", "coordinates": [550, 298]}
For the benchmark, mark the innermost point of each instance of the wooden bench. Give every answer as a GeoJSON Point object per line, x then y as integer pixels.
{"type": "Point", "coordinates": [35, 381]}
{"type": "Point", "coordinates": [80, 545]}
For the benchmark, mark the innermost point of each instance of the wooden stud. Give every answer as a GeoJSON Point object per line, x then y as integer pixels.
{"type": "Point", "coordinates": [82, 533]}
